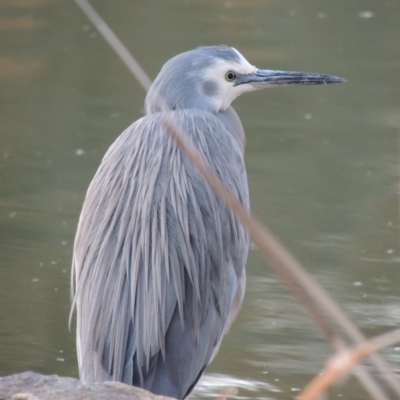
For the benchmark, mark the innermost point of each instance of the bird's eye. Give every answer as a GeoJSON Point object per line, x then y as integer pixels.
{"type": "Point", "coordinates": [230, 76]}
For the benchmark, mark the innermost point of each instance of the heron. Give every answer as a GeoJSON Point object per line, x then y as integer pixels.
{"type": "Point", "coordinates": [158, 272]}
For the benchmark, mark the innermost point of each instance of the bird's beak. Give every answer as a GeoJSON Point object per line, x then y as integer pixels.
{"type": "Point", "coordinates": [263, 78]}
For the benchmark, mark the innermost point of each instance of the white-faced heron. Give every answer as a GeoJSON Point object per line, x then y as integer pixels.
{"type": "Point", "coordinates": [159, 260]}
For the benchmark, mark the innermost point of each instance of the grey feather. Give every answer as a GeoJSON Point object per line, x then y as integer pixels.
{"type": "Point", "coordinates": [180, 83]}
{"type": "Point", "coordinates": [158, 258]}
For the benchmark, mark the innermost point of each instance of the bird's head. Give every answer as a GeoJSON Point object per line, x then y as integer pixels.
{"type": "Point", "coordinates": [210, 78]}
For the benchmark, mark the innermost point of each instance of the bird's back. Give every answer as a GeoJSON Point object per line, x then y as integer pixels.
{"type": "Point", "coordinates": [158, 259]}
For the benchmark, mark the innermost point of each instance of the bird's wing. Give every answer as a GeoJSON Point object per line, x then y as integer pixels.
{"type": "Point", "coordinates": [158, 259]}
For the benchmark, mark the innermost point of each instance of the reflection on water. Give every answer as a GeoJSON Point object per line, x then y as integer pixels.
{"type": "Point", "coordinates": [212, 385]}
{"type": "Point", "coordinates": [322, 165]}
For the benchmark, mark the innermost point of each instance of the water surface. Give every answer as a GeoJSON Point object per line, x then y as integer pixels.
{"type": "Point", "coordinates": [322, 165]}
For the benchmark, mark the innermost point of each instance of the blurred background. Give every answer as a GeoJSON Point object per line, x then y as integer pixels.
{"type": "Point", "coordinates": [322, 165]}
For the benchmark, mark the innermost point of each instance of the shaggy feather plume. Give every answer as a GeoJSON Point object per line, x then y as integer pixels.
{"type": "Point", "coordinates": [158, 258]}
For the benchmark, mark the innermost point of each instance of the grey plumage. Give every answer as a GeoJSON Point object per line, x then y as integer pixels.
{"type": "Point", "coordinates": [158, 268]}
{"type": "Point", "coordinates": [181, 84]}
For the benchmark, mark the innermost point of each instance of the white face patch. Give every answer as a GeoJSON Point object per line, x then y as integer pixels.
{"type": "Point", "coordinates": [245, 63]}
{"type": "Point", "coordinates": [227, 92]}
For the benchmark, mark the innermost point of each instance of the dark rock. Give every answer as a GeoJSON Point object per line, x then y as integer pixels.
{"type": "Point", "coordinates": [33, 386]}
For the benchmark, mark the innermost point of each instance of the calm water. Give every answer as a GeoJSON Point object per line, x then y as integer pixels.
{"type": "Point", "coordinates": [322, 165]}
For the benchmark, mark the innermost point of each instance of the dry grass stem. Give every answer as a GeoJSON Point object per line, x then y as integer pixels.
{"type": "Point", "coordinates": [115, 43]}
{"type": "Point", "coordinates": [341, 363]}
{"type": "Point", "coordinates": [286, 266]}
{"type": "Point", "coordinates": [226, 392]}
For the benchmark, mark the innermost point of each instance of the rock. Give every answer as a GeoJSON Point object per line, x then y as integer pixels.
{"type": "Point", "coordinates": [33, 386]}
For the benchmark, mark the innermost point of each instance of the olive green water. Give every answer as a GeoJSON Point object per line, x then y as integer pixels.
{"type": "Point", "coordinates": [322, 165]}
